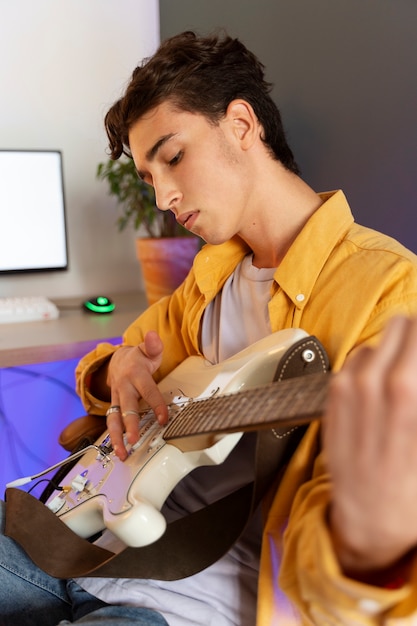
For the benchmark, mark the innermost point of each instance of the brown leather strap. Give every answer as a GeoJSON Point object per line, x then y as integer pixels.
{"type": "Point", "coordinates": [189, 544]}
{"type": "Point", "coordinates": [45, 539]}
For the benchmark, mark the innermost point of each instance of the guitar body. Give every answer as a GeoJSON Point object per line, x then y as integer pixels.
{"type": "Point", "coordinates": [101, 491]}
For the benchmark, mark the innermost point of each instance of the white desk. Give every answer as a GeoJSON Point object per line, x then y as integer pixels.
{"type": "Point", "coordinates": [71, 336]}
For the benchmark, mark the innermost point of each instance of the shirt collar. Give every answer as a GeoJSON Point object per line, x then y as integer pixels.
{"type": "Point", "coordinates": [298, 271]}
{"type": "Point", "coordinates": [303, 262]}
{"type": "Point", "coordinates": [214, 264]}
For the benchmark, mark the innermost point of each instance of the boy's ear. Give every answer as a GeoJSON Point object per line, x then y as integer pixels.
{"type": "Point", "coordinates": [244, 123]}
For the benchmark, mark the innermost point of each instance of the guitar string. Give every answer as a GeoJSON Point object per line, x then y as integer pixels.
{"type": "Point", "coordinates": [203, 411]}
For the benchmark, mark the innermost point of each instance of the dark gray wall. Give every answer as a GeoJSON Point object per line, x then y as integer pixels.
{"type": "Point", "coordinates": [345, 76]}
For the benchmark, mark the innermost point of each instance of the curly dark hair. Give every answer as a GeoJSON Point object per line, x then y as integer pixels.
{"type": "Point", "coordinates": [200, 75]}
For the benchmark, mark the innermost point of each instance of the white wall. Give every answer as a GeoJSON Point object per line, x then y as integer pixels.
{"type": "Point", "coordinates": [61, 65]}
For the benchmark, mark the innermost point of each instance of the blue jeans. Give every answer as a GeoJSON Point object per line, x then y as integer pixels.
{"type": "Point", "coordinates": [30, 597]}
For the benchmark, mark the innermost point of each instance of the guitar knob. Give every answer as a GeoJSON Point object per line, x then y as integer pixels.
{"type": "Point", "coordinates": [56, 504]}
{"type": "Point", "coordinates": [79, 482]}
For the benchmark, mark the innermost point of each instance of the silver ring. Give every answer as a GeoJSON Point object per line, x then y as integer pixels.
{"type": "Point", "coordinates": [130, 412]}
{"type": "Point", "coordinates": [113, 409]}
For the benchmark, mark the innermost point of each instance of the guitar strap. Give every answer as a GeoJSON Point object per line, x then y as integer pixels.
{"type": "Point", "coordinates": [190, 543]}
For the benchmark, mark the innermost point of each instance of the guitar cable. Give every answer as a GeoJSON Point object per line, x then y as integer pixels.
{"type": "Point", "coordinates": [27, 479]}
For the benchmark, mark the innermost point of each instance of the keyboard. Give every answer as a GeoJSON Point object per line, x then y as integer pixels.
{"type": "Point", "coordinates": [27, 309]}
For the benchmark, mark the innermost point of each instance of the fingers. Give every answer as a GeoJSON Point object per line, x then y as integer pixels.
{"type": "Point", "coordinates": [374, 381]}
{"type": "Point", "coordinates": [115, 427]}
{"type": "Point", "coordinates": [123, 422]}
{"type": "Point", "coordinates": [399, 351]}
{"type": "Point", "coordinates": [400, 386]}
{"type": "Point", "coordinates": [130, 377]}
{"type": "Point", "coordinates": [381, 384]}
{"type": "Point", "coordinates": [152, 345]}
{"type": "Point", "coordinates": [370, 440]}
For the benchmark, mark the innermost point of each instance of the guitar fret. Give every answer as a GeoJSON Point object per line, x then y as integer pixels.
{"type": "Point", "coordinates": [285, 403]}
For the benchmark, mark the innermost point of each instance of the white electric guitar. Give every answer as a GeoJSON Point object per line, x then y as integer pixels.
{"type": "Point", "coordinates": [210, 406]}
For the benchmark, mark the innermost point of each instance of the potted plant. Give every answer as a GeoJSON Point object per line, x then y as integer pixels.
{"type": "Point", "coordinates": [167, 250]}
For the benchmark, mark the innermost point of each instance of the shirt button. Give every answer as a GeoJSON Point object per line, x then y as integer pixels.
{"type": "Point", "coordinates": [367, 605]}
{"type": "Point", "coordinates": [300, 297]}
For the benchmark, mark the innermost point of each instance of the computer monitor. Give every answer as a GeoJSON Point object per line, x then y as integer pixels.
{"type": "Point", "coordinates": [33, 233]}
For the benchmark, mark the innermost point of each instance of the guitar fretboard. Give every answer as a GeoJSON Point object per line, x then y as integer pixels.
{"type": "Point", "coordinates": [286, 403]}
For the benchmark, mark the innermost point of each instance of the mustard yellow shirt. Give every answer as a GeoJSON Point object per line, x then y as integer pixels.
{"type": "Point", "coordinates": [340, 282]}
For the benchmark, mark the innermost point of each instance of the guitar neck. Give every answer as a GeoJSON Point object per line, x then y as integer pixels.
{"type": "Point", "coordinates": [286, 403]}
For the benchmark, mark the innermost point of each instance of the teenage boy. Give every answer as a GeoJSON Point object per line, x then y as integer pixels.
{"type": "Point", "coordinates": [335, 544]}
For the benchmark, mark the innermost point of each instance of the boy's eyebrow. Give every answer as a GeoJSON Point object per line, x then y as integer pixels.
{"type": "Point", "coordinates": [151, 153]}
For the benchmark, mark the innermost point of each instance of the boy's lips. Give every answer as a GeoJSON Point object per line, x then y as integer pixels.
{"type": "Point", "coordinates": [187, 219]}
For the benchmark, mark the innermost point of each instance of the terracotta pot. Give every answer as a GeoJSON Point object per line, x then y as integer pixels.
{"type": "Point", "coordinates": [165, 263]}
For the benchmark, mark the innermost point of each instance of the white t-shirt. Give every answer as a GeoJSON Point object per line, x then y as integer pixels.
{"type": "Point", "coordinates": [223, 594]}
